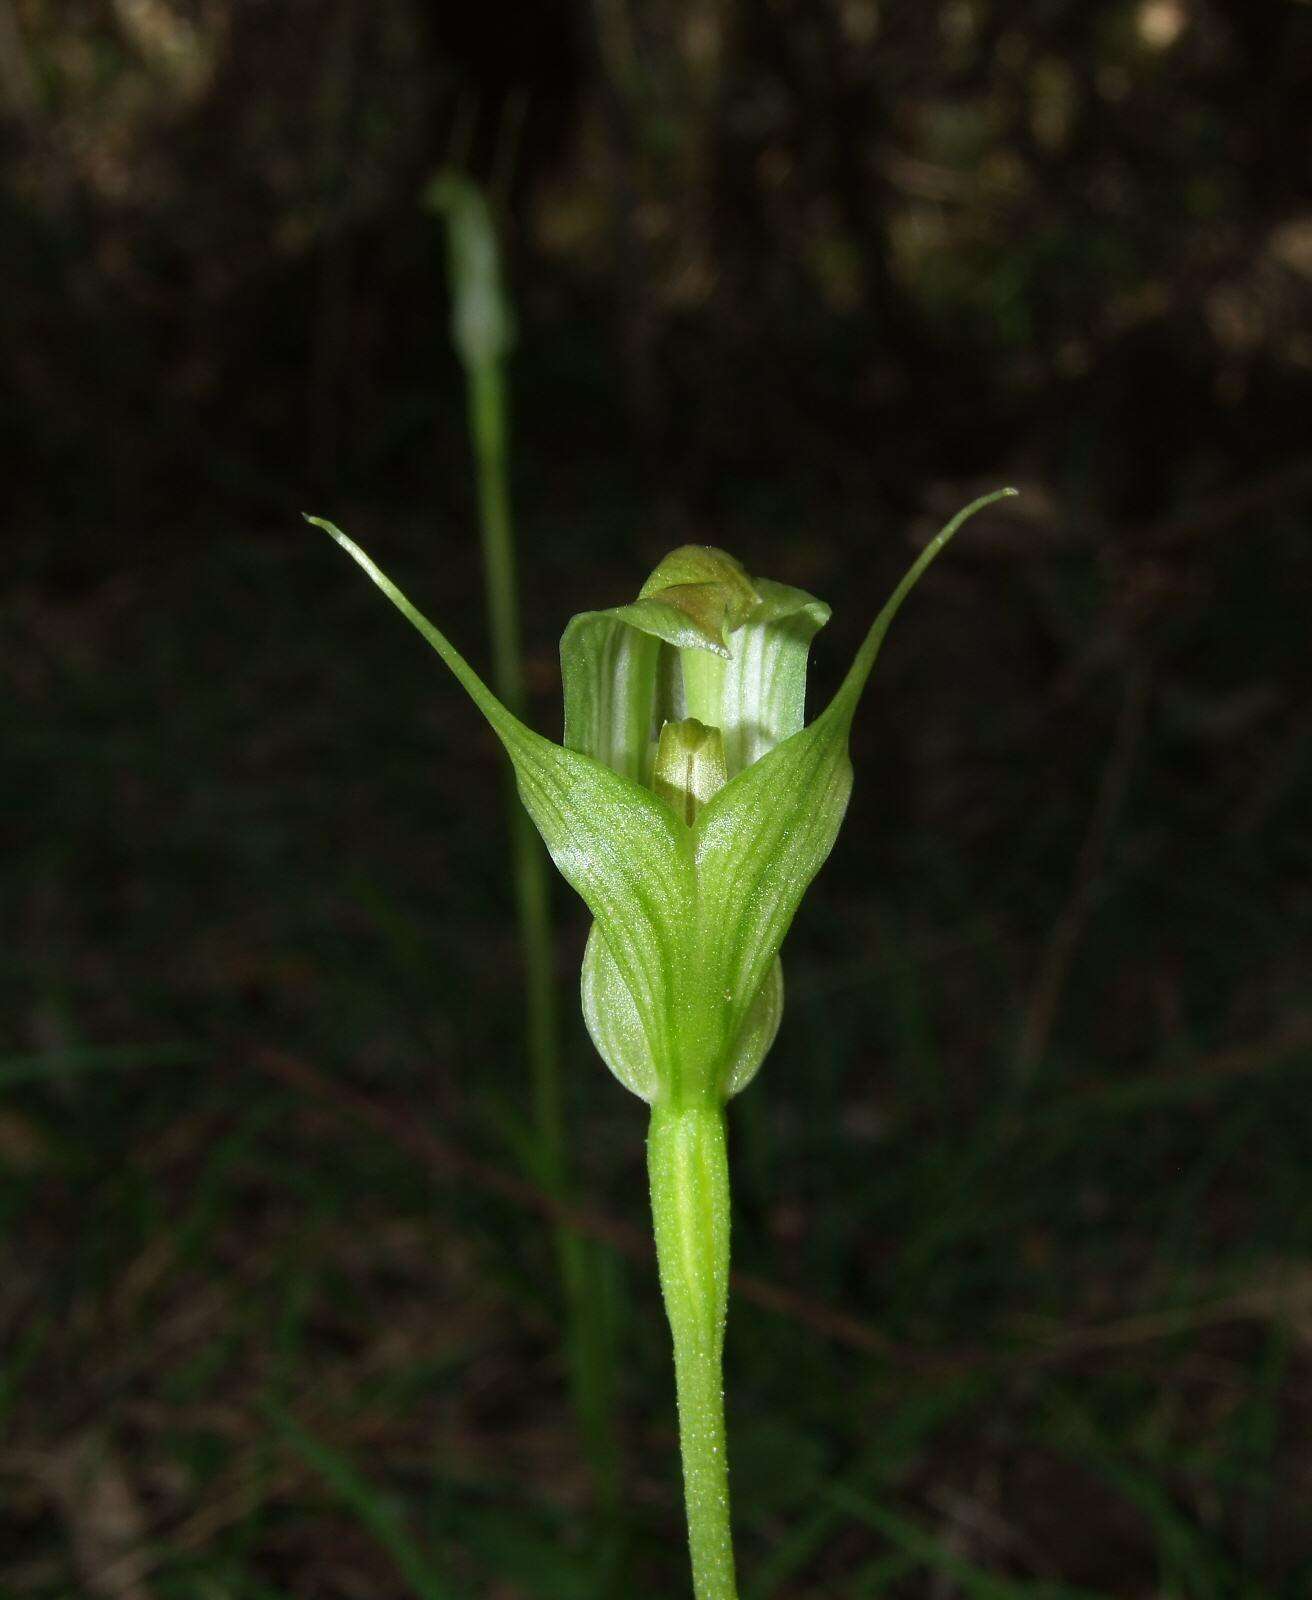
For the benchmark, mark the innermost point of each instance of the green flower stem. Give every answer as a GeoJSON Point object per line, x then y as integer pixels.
{"type": "Point", "coordinates": [692, 859]}
{"type": "Point", "coordinates": [689, 1169]}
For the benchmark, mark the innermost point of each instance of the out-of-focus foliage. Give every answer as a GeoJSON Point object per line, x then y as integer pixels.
{"type": "Point", "coordinates": [899, 236]}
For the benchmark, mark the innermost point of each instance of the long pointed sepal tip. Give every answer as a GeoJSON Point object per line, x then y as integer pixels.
{"type": "Point", "coordinates": [332, 531]}
{"type": "Point", "coordinates": [966, 512]}
{"type": "Point", "coordinates": [845, 701]}
{"type": "Point", "coordinates": [504, 723]}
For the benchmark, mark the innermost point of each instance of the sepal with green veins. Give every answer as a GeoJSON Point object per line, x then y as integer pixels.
{"type": "Point", "coordinates": [689, 805]}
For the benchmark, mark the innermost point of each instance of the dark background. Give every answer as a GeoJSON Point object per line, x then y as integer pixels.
{"type": "Point", "coordinates": [1025, 1183]}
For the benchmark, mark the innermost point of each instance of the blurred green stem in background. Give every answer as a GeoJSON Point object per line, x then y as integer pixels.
{"type": "Point", "coordinates": [482, 328]}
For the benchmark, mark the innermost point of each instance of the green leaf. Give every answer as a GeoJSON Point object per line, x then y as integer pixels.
{"type": "Point", "coordinates": [617, 844]}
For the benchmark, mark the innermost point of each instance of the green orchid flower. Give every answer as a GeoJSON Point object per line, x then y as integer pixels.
{"type": "Point", "coordinates": [690, 806]}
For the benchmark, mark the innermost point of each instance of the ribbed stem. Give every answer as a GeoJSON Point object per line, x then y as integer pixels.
{"type": "Point", "coordinates": [689, 1169]}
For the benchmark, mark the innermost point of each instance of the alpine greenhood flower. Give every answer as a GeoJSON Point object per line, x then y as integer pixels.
{"type": "Point", "coordinates": [689, 805]}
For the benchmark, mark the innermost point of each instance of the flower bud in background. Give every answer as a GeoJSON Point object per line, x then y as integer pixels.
{"type": "Point", "coordinates": [482, 323]}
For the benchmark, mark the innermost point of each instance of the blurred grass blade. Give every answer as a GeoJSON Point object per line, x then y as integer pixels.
{"type": "Point", "coordinates": [1190, 1562]}
{"type": "Point", "coordinates": [372, 1508]}
{"type": "Point", "coordinates": [76, 1059]}
{"type": "Point", "coordinates": [933, 1552]}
